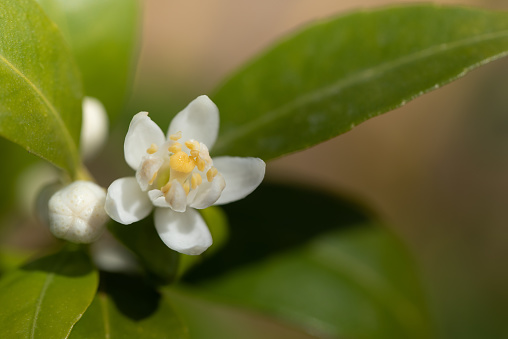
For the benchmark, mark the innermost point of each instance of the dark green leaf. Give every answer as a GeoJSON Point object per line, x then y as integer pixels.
{"type": "Point", "coordinates": [273, 219]}
{"type": "Point", "coordinates": [45, 298]}
{"type": "Point", "coordinates": [102, 35]}
{"type": "Point", "coordinates": [359, 283]}
{"type": "Point", "coordinates": [125, 307]}
{"type": "Point", "coordinates": [159, 261]}
{"type": "Point", "coordinates": [333, 75]}
{"type": "Point", "coordinates": [40, 88]}
{"type": "Point", "coordinates": [208, 320]}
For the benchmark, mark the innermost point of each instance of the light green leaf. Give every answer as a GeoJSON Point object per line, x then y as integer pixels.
{"type": "Point", "coordinates": [159, 262]}
{"type": "Point", "coordinates": [333, 75]}
{"type": "Point", "coordinates": [359, 283]}
{"type": "Point", "coordinates": [45, 298]}
{"type": "Point", "coordinates": [210, 320]}
{"type": "Point", "coordinates": [127, 308]}
{"type": "Point", "coordinates": [103, 36]}
{"type": "Point", "coordinates": [40, 88]}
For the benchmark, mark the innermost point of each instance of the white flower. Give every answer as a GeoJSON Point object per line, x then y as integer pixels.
{"type": "Point", "coordinates": [76, 212]}
{"type": "Point", "coordinates": [177, 175]}
{"type": "Point", "coordinates": [94, 128]}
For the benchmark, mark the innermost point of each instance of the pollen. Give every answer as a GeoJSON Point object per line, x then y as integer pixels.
{"type": "Point", "coordinates": [201, 164]}
{"type": "Point", "coordinates": [181, 162]}
{"type": "Point", "coordinates": [175, 148]}
{"type": "Point", "coordinates": [196, 180]}
{"type": "Point", "coordinates": [186, 187]}
{"type": "Point", "coordinates": [212, 172]}
{"type": "Point", "coordinates": [193, 145]}
{"type": "Point", "coordinates": [153, 148]}
{"type": "Point", "coordinates": [176, 136]}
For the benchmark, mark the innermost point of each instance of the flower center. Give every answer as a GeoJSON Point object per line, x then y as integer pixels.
{"type": "Point", "coordinates": [188, 169]}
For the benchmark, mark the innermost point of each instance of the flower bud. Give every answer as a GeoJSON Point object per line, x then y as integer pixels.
{"type": "Point", "coordinates": [76, 212]}
{"type": "Point", "coordinates": [94, 128]}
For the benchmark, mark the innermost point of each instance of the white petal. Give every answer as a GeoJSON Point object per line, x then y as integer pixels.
{"type": "Point", "coordinates": [198, 121]}
{"type": "Point", "coordinates": [242, 175]}
{"type": "Point", "coordinates": [176, 197]}
{"type": "Point", "coordinates": [157, 198]}
{"type": "Point", "coordinates": [125, 202]}
{"type": "Point", "coordinates": [186, 232]}
{"type": "Point", "coordinates": [208, 192]}
{"type": "Point", "coordinates": [148, 169]}
{"type": "Point", "coordinates": [143, 132]}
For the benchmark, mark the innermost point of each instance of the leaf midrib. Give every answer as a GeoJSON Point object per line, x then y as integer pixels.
{"type": "Point", "coordinates": [356, 78]}
{"type": "Point", "coordinates": [52, 109]}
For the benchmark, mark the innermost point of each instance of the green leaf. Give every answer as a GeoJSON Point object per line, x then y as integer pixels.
{"type": "Point", "coordinates": [158, 261]}
{"type": "Point", "coordinates": [359, 283]}
{"type": "Point", "coordinates": [125, 307]}
{"type": "Point", "coordinates": [103, 36]}
{"type": "Point", "coordinates": [209, 320]}
{"type": "Point", "coordinates": [266, 222]}
{"type": "Point", "coordinates": [45, 298]}
{"type": "Point", "coordinates": [40, 100]}
{"type": "Point", "coordinates": [333, 75]}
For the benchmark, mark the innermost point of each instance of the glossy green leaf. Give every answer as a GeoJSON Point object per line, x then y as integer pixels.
{"type": "Point", "coordinates": [335, 74]}
{"type": "Point", "coordinates": [159, 262]}
{"type": "Point", "coordinates": [359, 283]}
{"type": "Point", "coordinates": [211, 320]}
{"type": "Point", "coordinates": [103, 36]}
{"type": "Point", "coordinates": [127, 308]}
{"type": "Point", "coordinates": [40, 88]}
{"type": "Point", "coordinates": [45, 298]}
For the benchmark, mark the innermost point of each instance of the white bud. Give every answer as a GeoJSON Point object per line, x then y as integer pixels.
{"type": "Point", "coordinates": [94, 129]}
{"type": "Point", "coordinates": [76, 212]}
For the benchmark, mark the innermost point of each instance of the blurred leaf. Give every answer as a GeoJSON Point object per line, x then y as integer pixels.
{"type": "Point", "coordinates": [45, 298]}
{"type": "Point", "coordinates": [125, 307]}
{"type": "Point", "coordinates": [359, 283]}
{"type": "Point", "coordinates": [207, 320]}
{"type": "Point", "coordinates": [326, 79]}
{"type": "Point", "coordinates": [103, 36]}
{"type": "Point", "coordinates": [273, 219]}
{"type": "Point", "coordinates": [159, 261]}
{"type": "Point", "coordinates": [11, 258]}
{"type": "Point", "coordinates": [40, 100]}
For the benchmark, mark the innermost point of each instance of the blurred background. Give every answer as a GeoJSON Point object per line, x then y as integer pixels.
{"type": "Point", "coordinates": [435, 170]}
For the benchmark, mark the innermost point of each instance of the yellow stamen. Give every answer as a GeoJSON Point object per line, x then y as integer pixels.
{"type": "Point", "coordinates": [186, 187]}
{"type": "Point", "coordinates": [165, 189]}
{"type": "Point", "coordinates": [192, 145]}
{"type": "Point", "coordinates": [175, 136]}
{"type": "Point", "coordinates": [194, 153]}
{"type": "Point", "coordinates": [153, 148]}
{"type": "Point", "coordinates": [181, 162]}
{"type": "Point", "coordinates": [175, 148]}
{"type": "Point", "coordinates": [201, 164]}
{"type": "Point", "coordinates": [196, 180]}
{"type": "Point", "coordinates": [212, 172]}
{"type": "Point", "coordinates": [153, 178]}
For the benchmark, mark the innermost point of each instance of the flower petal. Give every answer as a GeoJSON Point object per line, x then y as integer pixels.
{"type": "Point", "coordinates": [242, 175]}
{"type": "Point", "coordinates": [208, 192]}
{"type": "Point", "coordinates": [186, 232]}
{"type": "Point", "coordinates": [198, 121]}
{"type": "Point", "coordinates": [143, 132]}
{"type": "Point", "coordinates": [158, 199]}
{"type": "Point", "coordinates": [176, 197]}
{"type": "Point", "coordinates": [125, 202]}
{"type": "Point", "coordinates": [147, 171]}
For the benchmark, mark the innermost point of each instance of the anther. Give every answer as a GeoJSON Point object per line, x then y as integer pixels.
{"type": "Point", "coordinates": [192, 145]}
{"type": "Point", "coordinates": [153, 178]}
{"type": "Point", "coordinates": [212, 172]}
{"type": "Point", "coordinates": [153, 148]}
{"type": "Point", "coordinates": [196, 180]}
{"type": "Point", "coordinates": [175, 148]}
{"type": "Point", "coordinates": [186, 187]}
{"type": "Point", "coordinates": [176, 136]}
{"type": "Point", "coordinates": [201, 164]}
